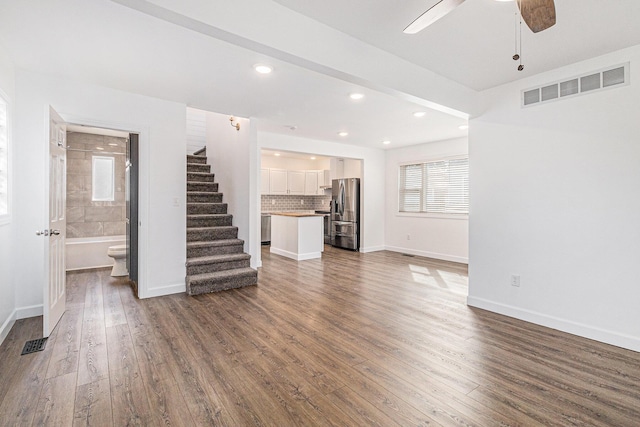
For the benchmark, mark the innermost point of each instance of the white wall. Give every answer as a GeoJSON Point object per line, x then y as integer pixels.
{"type": "Point", "coordinates": [432, 236]}
{"type": "Point", "coordinates": [555, 198]}
{"type": "Point", "coordinates": [228, 153]}
{"type": "Point", "coordinates": [290, 163]}
{"type": "Point", "coordinates": [372, 182]}
{"type": "Point", "coordinates": [7, 243]}
{"type": "Point", "coordinates": [161, 126]}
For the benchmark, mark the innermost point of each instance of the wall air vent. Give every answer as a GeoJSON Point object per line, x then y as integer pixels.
{"type": "Point", "coordinates": [591, 82]}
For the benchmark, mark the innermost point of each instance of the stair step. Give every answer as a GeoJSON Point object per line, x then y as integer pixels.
{"type": "Point", "coordinates": [221, 280]}
{"type": "Point", "coordinates": [210, 264]}
{"type": "Point", "coordinates": [200, 177]}
{"type": "Point", "coordinates": [210, 187]}
{"type": "Point", "coordinates": [198, 167]}
{"type": "Point", "coordinates": [196, 159]}
{"type": "Point", "coordinates": [206, 208]}
{"type": "Point", "coordinates": [203, 197]}
{"type": "Point", "coordinates": [202, 234]}
{"type": "Point", "coordinates": [212, 220]}
{"type": "Point", "coordinates": [214, 247]}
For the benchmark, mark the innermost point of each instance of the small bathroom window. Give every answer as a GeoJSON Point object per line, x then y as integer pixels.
{"type": "Point", "coordinates": [102, 180]}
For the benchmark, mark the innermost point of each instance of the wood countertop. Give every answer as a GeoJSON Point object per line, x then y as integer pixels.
{"type": "Point", "coordinates": [295, 214]}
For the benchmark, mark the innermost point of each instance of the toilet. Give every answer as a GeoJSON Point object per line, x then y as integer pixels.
{"type": "Point", "coordinates": [119, 255]}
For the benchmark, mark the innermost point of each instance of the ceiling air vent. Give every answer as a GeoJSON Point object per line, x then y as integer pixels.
{"type": "Point", "coordinates": [594, 81]}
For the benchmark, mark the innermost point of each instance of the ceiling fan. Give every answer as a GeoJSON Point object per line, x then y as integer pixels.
{"type": "Point", "coordinates": [538, 14]}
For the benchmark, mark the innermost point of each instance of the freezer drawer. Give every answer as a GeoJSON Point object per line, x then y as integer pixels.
{"type": "Point", "coordinates": [344, 234]}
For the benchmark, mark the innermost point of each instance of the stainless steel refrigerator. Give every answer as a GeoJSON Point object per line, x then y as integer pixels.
{"type": "Point", "coordinates": [345, 213]}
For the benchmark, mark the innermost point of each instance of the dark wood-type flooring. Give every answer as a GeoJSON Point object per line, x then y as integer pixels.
{"type": "Point", "coordinates": [377, 339]}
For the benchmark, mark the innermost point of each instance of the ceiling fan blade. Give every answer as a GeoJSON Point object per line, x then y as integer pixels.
{"type": "Point", "coordinates": [538, 14]}
{"type": "Point", "coordinates": [437, 11]}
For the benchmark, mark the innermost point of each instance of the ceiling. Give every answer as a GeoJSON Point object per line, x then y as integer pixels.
{"type": "Point", "coordinates": [105, 43]}
{"type": "Point", "coordinates": [473, 45]}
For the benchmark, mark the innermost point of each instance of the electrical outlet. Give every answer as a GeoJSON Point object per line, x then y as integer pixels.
{"type": "Point", "coordinates": [515, 280]}
{"type": "Point", "coordinates": [408, 236]}
{"type": "Point", "coordinates": [273, 202]}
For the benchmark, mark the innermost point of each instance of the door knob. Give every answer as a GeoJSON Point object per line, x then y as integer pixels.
{"type": "Point", "coordinates": [54, 232]}
{"type": "Point", "coordinates": [42, 233]}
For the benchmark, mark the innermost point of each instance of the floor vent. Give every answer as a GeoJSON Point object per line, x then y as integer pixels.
{"type": "Point", "coordinates": [34, 346]}
{"type": "Point", "coordinates": [586, 83]}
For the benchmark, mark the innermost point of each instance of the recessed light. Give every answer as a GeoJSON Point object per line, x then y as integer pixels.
{"type": "Point", "coordinates": [463, 127]}
{"type": "Point", "coordinates": [312, 158]}
{"type": "Point", "coordinates": [343, 133]}
{"type": "Point", "coordinates": [277, 154]}
{"type": "Point", "coordinates": [262, 68]}
{"type": "Point", "coordinates": [386, 142]}
{"type": "Point", "coordinates": [356, 96]}
{"type": "Point", "coordinates": [419, 114]}
{"type": "Point", "coordinates": [99, 148]}
{"type": "Point", "coordinates": [113, 144]}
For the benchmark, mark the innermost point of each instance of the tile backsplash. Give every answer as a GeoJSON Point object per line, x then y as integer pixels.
{"type": "Point", "coordinates": [273, 203]}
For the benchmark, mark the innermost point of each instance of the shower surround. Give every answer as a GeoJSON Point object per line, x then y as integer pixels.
{"type": "Point", "coordinates": [85, 217]}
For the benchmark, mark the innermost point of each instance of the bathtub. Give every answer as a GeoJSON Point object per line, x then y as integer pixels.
{"type": "Point", "coordinates": [90, 252]}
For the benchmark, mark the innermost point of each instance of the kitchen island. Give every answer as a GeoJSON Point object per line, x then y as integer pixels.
{"type": "Point", "coordinates": [297, 235]}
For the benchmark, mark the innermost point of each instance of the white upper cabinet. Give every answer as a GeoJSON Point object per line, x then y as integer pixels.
{"type": "Point", "coordinates": [311, 183]}
{"type": "Point", "coordinates": [278, 181]}
{"type": "Point", "coordinates": [295, 181]}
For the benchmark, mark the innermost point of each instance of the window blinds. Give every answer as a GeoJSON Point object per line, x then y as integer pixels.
{"type": "Point", "coordinates": [435, 187]}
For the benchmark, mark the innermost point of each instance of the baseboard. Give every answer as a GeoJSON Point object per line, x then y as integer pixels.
{"type": "Point", "coordinates": [372, 249]}
{"type": "Point", "coordinates": [30, 311]}
{"type": "Point", "coordinates": [426, 254]}
{"type": "Point", "coordinates": [165, 290]}
{"type": "Point", "coordinates": [564, 325]}
{"type": "Point", "coordinates": [7, 325]}
{"type": "Point", "coordinates": [297, 257]}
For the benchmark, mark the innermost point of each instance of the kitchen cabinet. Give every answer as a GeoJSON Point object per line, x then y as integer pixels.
{"type": "Point", "coordinates": [311, 183]}
{"type": "Point", "coordinates": [278, 181]}
{"type": "Point", "coordinates": [265, 186]}
{"type": "Point", "coordinates": [295, 182]}
{"type": "Point", "coordinates": [324, 181]}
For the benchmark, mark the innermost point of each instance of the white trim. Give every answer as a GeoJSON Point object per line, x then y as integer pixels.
{"type": "Point", "coordinates": [6, 326]}
{"type": "Point", "coordinates": [427, 254]}
{"type": "Point", "coordinates": [297, 257]}
{"type": "Point", "coordinates": [179, 288]}
{"type": "Point", "coordinates": [564, 325]}
{"type": "Point", "coordinates": [372, 249]}
{"type": "Point", "coordinates": [431, 215]}
{"type": "Point", "coordinates": [6, 217]}
{"type": "Point", "coordinates": [143, 132]}
{"type": "Point", "coordinates": [434, 159]}
{"type": "Point", "coordinates": [29, 311]}
{"type": "Point", "coordinates": [89, 267]}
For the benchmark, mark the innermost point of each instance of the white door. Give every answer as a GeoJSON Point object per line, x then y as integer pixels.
{"type": "Point", "coordinates": [55, 289]}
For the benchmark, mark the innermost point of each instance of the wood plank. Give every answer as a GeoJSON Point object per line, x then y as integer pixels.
{"type": "Point", "coordinates": [93, 359]}
{"type": "Point", "coordinates": [113, 311]}
{"type": "Point", "coordinates": [93, 404]}
{"type": "Point", "coordinates": [55, 406]}
{"type": "Point", "coordinates": [66, 349]}
{"type": "Point", "coordinates": [129, 401]}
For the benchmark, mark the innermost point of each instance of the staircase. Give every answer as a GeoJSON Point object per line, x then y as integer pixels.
{"type": "Point", "coordinates": [215, 257]}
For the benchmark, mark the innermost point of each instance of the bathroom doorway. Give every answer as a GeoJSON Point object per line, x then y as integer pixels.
{"type": "Point", "coordinates": [102, 198]}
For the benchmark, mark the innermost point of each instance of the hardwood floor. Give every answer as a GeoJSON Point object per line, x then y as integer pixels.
{"type": "Point", "coordinates": [351, 339]}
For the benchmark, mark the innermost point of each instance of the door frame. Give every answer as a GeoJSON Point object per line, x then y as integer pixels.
{"type": "Point", "coordinates": [143, 184]}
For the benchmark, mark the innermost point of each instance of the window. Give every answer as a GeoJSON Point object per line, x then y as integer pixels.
{"type": "Point", "coordinates": [4, 158]}
{"type": "Point", "coordinates": [440, 187]}
{"type": "Point", "coordinates": [102, 179]}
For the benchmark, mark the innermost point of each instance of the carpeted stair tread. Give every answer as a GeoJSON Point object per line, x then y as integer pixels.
{"type": "Point", "coordinates": [221, 280]}
{"type": "Point", "coordinates": [196, 159]}
{"type": "Point", "coordinates": [206, 208]}
{"type": "Point", "coordinates": [215, 243]}
{"type": "Point", "coordinates": [198, 167]}
{"type": "Point", "coordinates": [200, 177]}
{"type": "Point", "coordinates": [209, 220]}
{"type": "Point", "coordinates": [217, 259]}
{"type": "Point", "coordinates": [199, 234]}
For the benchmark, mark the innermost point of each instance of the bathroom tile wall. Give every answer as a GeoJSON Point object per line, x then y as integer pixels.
{"type": "Point", "coordinates": [276, 203]}
{"type": "Point", "coordinates": [86, 218]}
